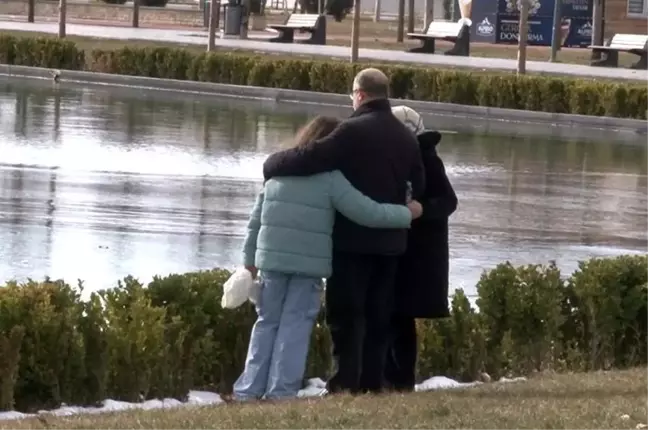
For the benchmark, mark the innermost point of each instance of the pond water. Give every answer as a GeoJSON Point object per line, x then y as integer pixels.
{"type": "Point", "coordinates": [99, 183]}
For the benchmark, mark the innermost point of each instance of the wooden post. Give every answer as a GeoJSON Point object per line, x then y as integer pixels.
{"type": "Point", "coordinates": [30, 10]}
{"type": "Point", "coordinates": [136, 7]}
{"type": "Point", "coordinates": [429, 14]}
{"type": "Point", "coordinates": [401, 22]}
{"type": "Point", "coordinates": [523, 34]}
{"type": "Point", "coordinates": [555, 38]}
{"type": "Point", "coordinates": [355, 32]}
{"type": "Point", "coordinates": [411, 16]}
{"type": "Point", "coordinates": [377, 6]}
{"type": "Point", "coordinates": [597, 26]}
{"type": "Point", "coordinates": [62, 10]}
{"type": "Point", "coordinates": [213, 24]}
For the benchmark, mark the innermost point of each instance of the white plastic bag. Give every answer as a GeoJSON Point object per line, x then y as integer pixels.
{"type": "Point", "coordinates": [237, 288]}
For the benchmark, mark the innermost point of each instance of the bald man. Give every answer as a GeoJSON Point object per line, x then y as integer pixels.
{"type": "Point", "coordinates": [379, 155]}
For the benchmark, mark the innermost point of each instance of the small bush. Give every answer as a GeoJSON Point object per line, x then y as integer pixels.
{"type": "Point", "coordinates": [609, 300]}
{"type": "Point", "coordinates": [536, 93]}
{"type": "Point", "coordinates": [521, 312]}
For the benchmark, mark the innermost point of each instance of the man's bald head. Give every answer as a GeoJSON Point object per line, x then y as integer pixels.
{"type": "Point", "coordinates": [372, 84]}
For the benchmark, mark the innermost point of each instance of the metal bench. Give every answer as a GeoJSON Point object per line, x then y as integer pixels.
{"type": "Point", "coordinates": [455, 32]}
{"type": "Point", "coordinates": [305, 23]}
{"type": "Point", "coordinates": [634, 43]}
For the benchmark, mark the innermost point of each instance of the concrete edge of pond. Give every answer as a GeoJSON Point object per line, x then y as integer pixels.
{"type": "Point", "coordinates": [510, 116]}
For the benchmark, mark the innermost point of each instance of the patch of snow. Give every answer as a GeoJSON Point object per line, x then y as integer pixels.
{"type": "Point", "coordinates": [315, 387]}
{"type": "Point", "coordinates": [12, 415]}
{"type": "Point", "coordinates": [442, 383]}
{"type": "Point", "coordinates": [204, 398]}
{"type": "Point", "coordinates": [506, 380]}
{"type": "Point", "coordinates": [110, 405]}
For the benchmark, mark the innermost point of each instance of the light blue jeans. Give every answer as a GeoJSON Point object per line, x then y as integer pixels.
{"type": "Point", "coordinates": [276, 360]}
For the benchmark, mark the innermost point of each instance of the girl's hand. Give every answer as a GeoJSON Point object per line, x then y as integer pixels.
{"type": "Point", "coordinates": [253, 270]}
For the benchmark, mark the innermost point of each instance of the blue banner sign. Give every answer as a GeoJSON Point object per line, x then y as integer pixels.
{"type": "Point", "coordinates": [570, 8]}
{"type": "Point", "coordinates": [496, 28]}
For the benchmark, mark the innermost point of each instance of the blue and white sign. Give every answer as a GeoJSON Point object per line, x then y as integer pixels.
{"type": "Point", "coordinates": [579, 33]}
{"type": "Point", "coordinates": [570, 8]}
{"type": "Point", "coordinates": [484, 28]}
{"type": "Point", "coordinates": [536, 7]}
{"type": "Point", "coordinates": [540, 30]}
{"type": "Point", "coordinates": [576, 8]}
{"type": "Point", "coordinates": [574, 32]}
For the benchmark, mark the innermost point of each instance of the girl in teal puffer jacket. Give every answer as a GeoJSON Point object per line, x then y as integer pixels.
{"type": "Point", "coordinates": [289, 240]}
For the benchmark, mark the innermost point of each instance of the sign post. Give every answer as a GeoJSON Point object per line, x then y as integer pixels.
{"type": "Point", "coordinates": [522, 38]}
{"type": "Point", "coordinates": [555, 38]}
{"type": "Point", "coordinates": [355, 32]}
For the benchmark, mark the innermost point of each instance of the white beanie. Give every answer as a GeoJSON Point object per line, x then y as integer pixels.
{"type": "Point", "coordinates": [409, 117]}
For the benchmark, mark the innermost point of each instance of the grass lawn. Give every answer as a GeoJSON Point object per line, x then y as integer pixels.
{"type": "Point", "coordinates": [614, 399]}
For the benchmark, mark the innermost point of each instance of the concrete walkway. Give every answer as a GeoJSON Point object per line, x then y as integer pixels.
{"type": "Point", "coordinates": [197, 37]}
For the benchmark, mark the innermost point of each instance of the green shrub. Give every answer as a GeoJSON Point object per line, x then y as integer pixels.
{"type": "Point", "coordinates": [133, 342]}
{"type": "Point", "coordinates": [215, 346]}
{"type": "Point", "coordinates": [51, 351]}
{"type": "Point", "coordinates": [609, 298]}
{"type": "Point", "coordinates": [521, 312]}
{"type": "Point", "coordinates": [466, 343]}
{"type": "Point", "coordinates": [135, 334]}
{"type": "Point", "coordinates": [9, 365]}
{"type": "Point", "coordinates": [537, 93]}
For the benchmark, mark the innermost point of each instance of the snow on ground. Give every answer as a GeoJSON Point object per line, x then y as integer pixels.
{"type": "Point", "coordinates": [314, 388]}
{"type": "Point", "coordinates": [196, 398]}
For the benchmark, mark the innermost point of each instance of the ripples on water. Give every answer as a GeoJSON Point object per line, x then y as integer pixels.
{"type": "Point", "coordinates": [97, 184]}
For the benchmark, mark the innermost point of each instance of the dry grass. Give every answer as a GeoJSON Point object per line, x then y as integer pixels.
{"type": "Point", "coordinates": [615, 399]}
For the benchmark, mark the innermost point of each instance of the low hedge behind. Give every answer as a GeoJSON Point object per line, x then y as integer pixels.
{"type": "Point", "coordinates": [536, 93]}
{"type": "Point", "coordinates": [133, 342]}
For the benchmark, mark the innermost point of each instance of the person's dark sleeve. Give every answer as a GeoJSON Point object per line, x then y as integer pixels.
{"type": "Point", "coordinates": [323, 155]}
{"type": "Point", "coordinates": [444, 203]}
{"type": "Point", "coordinates": [417, 175]}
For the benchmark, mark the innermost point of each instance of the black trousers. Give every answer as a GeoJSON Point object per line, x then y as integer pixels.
{"type": "Point", "coordinates": [359, 300]}
{"type": "Point", "coordinates": [400, 368]}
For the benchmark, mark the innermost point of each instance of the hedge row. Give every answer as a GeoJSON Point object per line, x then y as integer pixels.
{"type": "Point", "coordinates": [133, 342]}
{"type": "Point", "coordinates": [536, 93]}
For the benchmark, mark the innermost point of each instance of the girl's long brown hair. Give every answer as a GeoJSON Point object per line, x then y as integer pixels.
{"type": "Point", "coordinates": [319, 127]}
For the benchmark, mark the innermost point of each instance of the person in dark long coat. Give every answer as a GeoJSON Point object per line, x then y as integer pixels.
{"type": "Point", "coordinates": [422, 277]}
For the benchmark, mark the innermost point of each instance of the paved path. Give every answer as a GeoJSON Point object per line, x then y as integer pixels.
{"type": "Point", "coordinates": [197, 37]}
